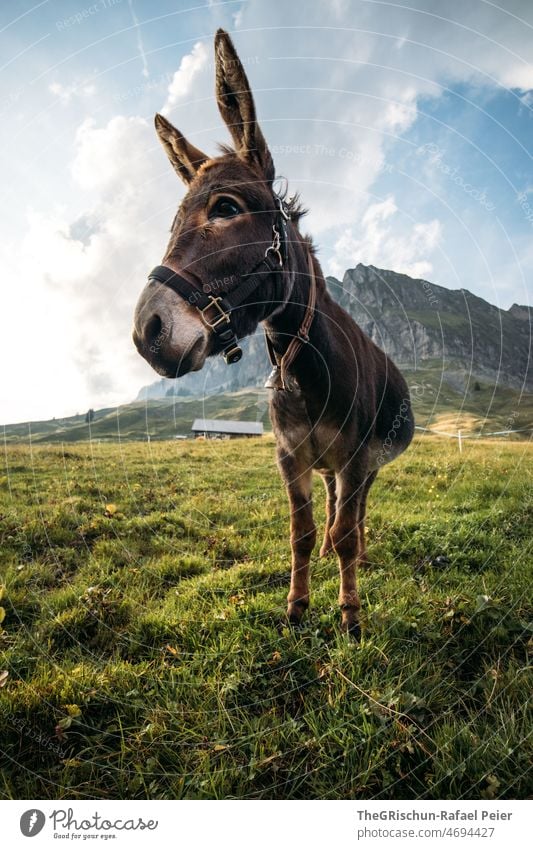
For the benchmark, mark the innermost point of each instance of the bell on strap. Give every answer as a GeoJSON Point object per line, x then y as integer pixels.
{"type": "Point", "coordinates": [274, 380]}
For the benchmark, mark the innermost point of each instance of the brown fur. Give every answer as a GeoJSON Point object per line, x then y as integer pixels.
{"type": "Point", "coordinates": [347, 410]}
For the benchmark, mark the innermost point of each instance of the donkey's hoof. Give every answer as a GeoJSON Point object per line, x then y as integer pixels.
{"type": "Point", "coordinates": [296, 610]}
{"type": "Point", "coordinates": [353, 631]}
{"type": "Point", "coordinates": [325, 551]}
{"type": "Point", "coordinates": [350, 623]}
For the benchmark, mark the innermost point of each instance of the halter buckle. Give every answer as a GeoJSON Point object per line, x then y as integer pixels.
{"type": "Point", "coordinates": [232, 355]}
{"type": "Point", "coordinates": [223, 317]}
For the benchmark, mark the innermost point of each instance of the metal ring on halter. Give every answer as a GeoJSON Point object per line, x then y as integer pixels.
{"type": "Point", "coordinates": [274, 248]}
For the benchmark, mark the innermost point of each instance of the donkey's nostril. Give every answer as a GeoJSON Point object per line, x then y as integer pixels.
{"type": "Point", "coordinates": [153, 331]}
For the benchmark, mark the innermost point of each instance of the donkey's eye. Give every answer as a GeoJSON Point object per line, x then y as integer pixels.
{"type": "Point", "coordinates": [224, 208]}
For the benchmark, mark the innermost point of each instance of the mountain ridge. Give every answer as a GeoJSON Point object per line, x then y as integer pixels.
{"type": "Point", "coordinates": [419, 324]}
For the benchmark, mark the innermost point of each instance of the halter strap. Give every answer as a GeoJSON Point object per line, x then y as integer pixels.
{"type": "Point", "coordinates": [216, 310]}
{"type": "Point", "coordinates": [280, 366]}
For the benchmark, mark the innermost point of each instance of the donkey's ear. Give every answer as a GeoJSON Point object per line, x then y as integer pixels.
{"type": "Point", "coordinates": [184, 156]}
{"type": "Point", "coordinates": [237, 107]}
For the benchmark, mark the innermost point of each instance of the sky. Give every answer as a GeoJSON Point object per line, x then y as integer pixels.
{"type": "Point", "coordinates": [406, 127]}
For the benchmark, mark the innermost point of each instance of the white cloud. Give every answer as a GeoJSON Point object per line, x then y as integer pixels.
{"type": "Point", "coordinates": [65, 93]}
{"type": "Point", "coordinates": [518, 76]}
{"type": "Point", "coordinates": [185, 77]}
{"type": "Point", "coordinates": [384, 240]}
{"type": "Point", "coordinates": [88, 276]}
{"type": "Point", "coordinates": [113, 156]}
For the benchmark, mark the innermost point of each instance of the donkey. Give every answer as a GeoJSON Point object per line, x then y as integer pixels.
{"type": "Point", "coordinates": [236, 258]}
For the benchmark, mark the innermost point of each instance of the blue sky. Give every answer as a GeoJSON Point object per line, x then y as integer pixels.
{"type": "Point", "coordinates": [406, 127]}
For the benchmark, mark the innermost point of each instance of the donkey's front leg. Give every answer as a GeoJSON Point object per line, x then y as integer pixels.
{"type": "Point", "coordinates": [345, 539]}
{"type": "Point", "coordinates": [362, 557]}
{"type": "Point", "coordinates": [298, 481]}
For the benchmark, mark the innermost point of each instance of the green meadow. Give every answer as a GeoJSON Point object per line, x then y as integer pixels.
{"type": "Point", "coordinates": [145, 654]}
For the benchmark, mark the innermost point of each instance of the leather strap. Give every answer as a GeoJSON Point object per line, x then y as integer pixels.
{"type": "Point", "coordinates": [216, 309]}
{"type": "Point", "coordinates": [202, 296]}
{"type": "Point", "coordinates": [282, 365]}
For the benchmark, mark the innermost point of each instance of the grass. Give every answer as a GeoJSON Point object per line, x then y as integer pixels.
{"type": "Point", "coordinates": [146, 651]}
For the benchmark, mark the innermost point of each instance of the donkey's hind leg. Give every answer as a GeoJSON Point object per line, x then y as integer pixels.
{"type": "Point", "coordinates": [345, 538]}
{"type": "Point", "coordinates": [298, 481]}
{"type": "Point", "coordinates": [331, 506]}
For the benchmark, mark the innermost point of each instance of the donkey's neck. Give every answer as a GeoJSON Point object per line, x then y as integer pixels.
{"type": "Point", "coordinates": [287, 320]}
{"type": "Point", "coordinates": [313, 367]}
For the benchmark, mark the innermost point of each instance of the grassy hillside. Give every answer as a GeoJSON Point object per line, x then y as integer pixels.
{"type": "Point", "coordinates": [145, 652]}
{"type": "Point", "coordinates": [162, 419]}
{"type": "Point", "coordinates": [438, 404]}
{"type": "Point", "coordinates": [480, 408]}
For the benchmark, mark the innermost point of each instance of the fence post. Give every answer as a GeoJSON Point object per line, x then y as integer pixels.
{"type": "Point", "coordinates": [460, 442]}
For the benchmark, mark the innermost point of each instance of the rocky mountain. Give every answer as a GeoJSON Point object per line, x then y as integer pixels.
{"type": "Point", "coordinates": [419, 324]}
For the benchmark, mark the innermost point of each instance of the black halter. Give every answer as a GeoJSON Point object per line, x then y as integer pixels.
{"type": "Point", "coordinates": [216, 309]}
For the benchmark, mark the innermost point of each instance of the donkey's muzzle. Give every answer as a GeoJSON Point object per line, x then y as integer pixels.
{"type": "Point", "coordinates": [168, 333]}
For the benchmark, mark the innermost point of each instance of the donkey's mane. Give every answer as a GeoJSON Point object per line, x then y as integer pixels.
{"type": "Point", "coordinates": [293, 204]}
